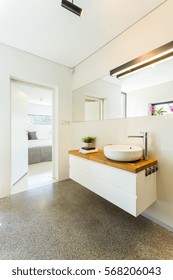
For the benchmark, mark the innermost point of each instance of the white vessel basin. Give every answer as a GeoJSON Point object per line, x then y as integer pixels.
{"type": "Point", "coordinates": [123, 152]}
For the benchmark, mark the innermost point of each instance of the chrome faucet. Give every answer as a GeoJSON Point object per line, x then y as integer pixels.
{"type": "Point", "coordinates": [145, 143]}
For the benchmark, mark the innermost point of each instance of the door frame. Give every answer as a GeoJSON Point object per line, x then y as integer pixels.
{"type": "Point", "coordinates": [54, 89]}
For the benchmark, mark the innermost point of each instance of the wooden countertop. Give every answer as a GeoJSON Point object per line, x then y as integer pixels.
{"type": "Point", "coordinates": [99, 157]}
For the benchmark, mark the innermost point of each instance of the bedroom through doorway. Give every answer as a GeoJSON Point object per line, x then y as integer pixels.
{"type": "Point", "coordinates": [31, 136]}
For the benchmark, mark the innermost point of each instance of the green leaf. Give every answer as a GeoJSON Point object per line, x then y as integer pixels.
{"type": "Point", "coordinates": [88, 139]}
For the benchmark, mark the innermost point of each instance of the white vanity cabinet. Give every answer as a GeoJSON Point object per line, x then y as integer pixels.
{"type": "Point", "coordinates": [133, 192]}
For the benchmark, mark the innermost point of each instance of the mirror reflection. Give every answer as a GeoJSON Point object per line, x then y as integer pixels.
{"type": "Point", "coordinates": [147, 92]}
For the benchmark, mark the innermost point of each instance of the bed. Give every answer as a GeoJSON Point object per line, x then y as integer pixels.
{"type": "Point", "coordinates": [39, 151]}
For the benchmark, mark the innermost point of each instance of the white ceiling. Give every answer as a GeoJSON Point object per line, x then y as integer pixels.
{"type": "Point", "coordinates": [44, 28]}
{"type": "Point", "coordinates": [35, 94]}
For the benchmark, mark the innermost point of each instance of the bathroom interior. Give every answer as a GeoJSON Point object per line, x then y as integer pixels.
{"type": "Point", "coordinates": [125, 124]}
{"type": "Point", "coordinates": [132, 117]}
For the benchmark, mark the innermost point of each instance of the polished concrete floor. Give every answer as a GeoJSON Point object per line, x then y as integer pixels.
{"type": "Point", "coordinates": [66, 221]}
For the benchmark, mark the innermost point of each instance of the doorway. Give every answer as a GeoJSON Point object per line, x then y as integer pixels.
{"type": "Point", "coordinates": [32, 134]}
{"type": "Point", "coordinates": [94, 108]}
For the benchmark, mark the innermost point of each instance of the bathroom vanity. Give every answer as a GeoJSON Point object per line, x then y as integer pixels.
{"type": "Point", "coordinates": [129, 185]}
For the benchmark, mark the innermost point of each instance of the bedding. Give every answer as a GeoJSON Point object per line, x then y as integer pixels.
{"type": "Point", "coordinates": [32, 135]}
{"type": "Point", "coordinates": [39, 151]}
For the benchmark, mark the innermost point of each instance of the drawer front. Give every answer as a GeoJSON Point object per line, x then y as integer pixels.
{"type": "Point", "coordinates": [93, 177]}
{"type": "Point", "coordinates": [118, 178]}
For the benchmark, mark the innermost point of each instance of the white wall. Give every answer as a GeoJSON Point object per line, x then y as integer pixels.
{"type": "Point", "coordinates": [39, 109]}
{"type": "Point", "coordinates": [137, 101]}
{"type": "Point", "coordinates": [108, 91]}
{"type": "Point", "coordinates": [98, 89]}
{"type": "Point", "coordinates": [28, 67]}
{"type": "Point", "coordinates": [152, 31]}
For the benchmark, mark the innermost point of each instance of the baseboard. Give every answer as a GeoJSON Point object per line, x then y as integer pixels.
{"type": "Point", "coordinates": [160, 223]}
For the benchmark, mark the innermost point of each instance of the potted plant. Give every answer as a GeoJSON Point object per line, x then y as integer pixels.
{"type": "Point", "coordinates": [89, 142]}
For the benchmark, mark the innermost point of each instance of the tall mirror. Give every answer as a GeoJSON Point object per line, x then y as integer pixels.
{"type": "Point", "coordinates": [147, 92]}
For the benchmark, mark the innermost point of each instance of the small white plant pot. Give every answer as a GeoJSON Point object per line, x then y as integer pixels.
{"type": "Point", "coordinates": [89, 145]}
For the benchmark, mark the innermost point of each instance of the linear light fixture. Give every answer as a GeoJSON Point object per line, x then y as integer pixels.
{"type": "Point", "coordinates": [72, 7]}
{"type": "Point", "coordinates": [160, 54]}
